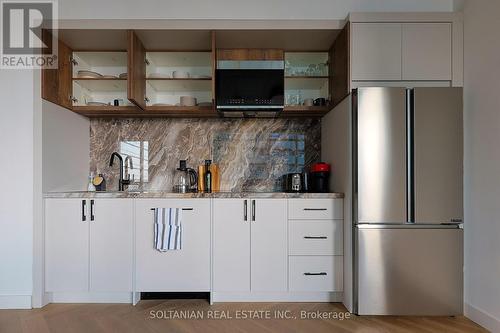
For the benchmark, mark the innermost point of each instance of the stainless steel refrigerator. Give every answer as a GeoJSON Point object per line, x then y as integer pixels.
{"type": "Point", "coordinates": [407, 201]}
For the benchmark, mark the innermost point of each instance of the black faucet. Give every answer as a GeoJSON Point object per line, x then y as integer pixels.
{"type": "Point", "coordinates": [121, 182]}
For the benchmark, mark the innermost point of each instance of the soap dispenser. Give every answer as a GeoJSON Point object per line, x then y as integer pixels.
{"type": "Point", "coordinates": [91, 187]}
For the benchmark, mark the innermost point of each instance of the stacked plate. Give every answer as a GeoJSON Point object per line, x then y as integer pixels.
{"type": "Point", "coordinates": [95, 75]}
{"type": "Point", "coordinates": [89, 75]}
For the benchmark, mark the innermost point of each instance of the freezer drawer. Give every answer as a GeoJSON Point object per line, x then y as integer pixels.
{"type": "Point", "coordinates": [408, 271]}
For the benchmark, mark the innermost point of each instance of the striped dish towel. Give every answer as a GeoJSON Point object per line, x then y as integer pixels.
{"type": "Point", "coordinates": [168, 229]}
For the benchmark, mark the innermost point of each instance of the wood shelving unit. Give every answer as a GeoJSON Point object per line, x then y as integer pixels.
{"type": "Point", "coordinates": [317, 70]}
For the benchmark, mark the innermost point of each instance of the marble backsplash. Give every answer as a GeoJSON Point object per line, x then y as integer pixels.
{"type": "Point", "coordinates": [252, 154]}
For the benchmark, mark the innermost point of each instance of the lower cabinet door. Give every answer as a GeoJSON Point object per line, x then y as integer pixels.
{"type": "Point", "coordinates": [111, 244]}
{"type": "Point", "coordinates": [187, 269]}
{"type": "Point", "coordinates": [231, 245]}
{"type": "Point", "coordinates": [66, 245]}
{"type": "Point", "coordinates": [268, 245]}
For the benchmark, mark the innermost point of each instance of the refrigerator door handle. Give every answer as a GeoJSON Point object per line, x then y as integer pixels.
{"type": "Point", "coordinates": [410, 226]}
{"type": "Point", "coordinates": [410, 179]}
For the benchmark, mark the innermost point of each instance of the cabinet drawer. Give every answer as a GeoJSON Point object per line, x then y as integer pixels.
{"type": "Point", "coordinates": [315, 237]}
{"type": "Point", "coordinates": [316, 273]}
{"type": "Point", "coordinates": [315, 209]}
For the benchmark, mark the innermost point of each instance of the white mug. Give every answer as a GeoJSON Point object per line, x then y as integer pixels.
{"type": "Point", "coordinates": [308, 102]}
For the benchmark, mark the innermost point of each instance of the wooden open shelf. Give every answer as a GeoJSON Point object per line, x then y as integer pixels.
{"type": "Point", "coordinates": [179, 79]}
{"type": "Point", "coordinates": [306, 77]}
{"type": "Point", "coordinates": [150, 111]}
{"type": "Point", "coordinates": [99, 79]}
{"type": "Point", "coordinates": [291, 111]}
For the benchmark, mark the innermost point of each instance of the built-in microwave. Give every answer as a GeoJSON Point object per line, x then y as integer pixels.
{"type": "Point", "coordinates": [250, 88]}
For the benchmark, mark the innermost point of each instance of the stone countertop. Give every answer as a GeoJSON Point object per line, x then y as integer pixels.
{"type": "Point", "coordinates": [170, 195]}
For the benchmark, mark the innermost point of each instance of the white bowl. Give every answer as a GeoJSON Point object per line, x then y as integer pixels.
{"type": "Point", "coordinates": [187, 101]}
{"type": "Point", "coordinates": [180, 74]}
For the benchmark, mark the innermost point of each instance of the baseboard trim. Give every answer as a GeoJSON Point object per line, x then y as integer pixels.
{"type": "Point", "coordinates": [482, 318]}
{"type": "Point", "coordinates": [276, 297]}
{"type": "Point", "coordinates": [90, 297]}
{"type": "Point", "coordinates": [15, 302]}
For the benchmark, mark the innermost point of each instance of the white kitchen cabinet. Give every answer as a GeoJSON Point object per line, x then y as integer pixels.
{"type": "Point", "coordinates": [376, 51]}
{"type": "Point", "coordinates": [111, 245]}
{"type": "Point", "coordinates": [402, 51]}
{"type": "Point", "coordinates": [187, 269]}
{"type": "Point", "coordinates": [66, 245]}
{"type": "Point", "coordinates": [250, 245]}
{"type": "Point", "coordinates": [268, 245]}
{"type": "Point", "coordinates": [88, 245]}
{"type": "Point", "coordinates": [231, 249]}
{"type": "Point", "coordinates": [427, 51]}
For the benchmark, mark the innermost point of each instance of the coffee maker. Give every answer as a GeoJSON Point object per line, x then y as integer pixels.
{"type": "Point", "coordinates": [185, 179]}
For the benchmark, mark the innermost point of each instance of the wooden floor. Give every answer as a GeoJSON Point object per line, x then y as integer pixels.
{"type": "Point", "coordinates": [122, 318]}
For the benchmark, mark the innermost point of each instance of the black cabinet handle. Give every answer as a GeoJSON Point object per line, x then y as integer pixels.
{"type": "Point", "coordinates": [92, 218]}
{"type": "Point", "coordinates": [84, 204]}
{"type": "Point", "coordinates": [245, 210]}
{"type": "Point", "coordinates": [315, 209]}
{"type": "Point", "coordinates": [315, 237]}
{"type": "Point", "coordinates": [311, 274]}
{"type": "Point", "coordinates": [253, 210]}
{"type": "Point", "coordinates": [189, 208]}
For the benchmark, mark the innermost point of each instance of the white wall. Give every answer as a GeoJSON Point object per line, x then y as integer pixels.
{"type": "Point", "coordinates": [482, 162]}
{"type": "Point", "coordinates": [66, 149]}
{"type": "Point", "coordinates": [16, 196]}
{"type": "Point", "coordinates": [239, 9]}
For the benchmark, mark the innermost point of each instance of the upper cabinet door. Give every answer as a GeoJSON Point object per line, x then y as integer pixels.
{"type": "Point", "coordinates": [376, 51]}
{"type": "Point", "coordinates": [339, 67]}
{"type": "Point", "coordinates": [427, 51]}
{"type": "Point", "coordinates": [56, 83]}
{"type": "Point", "coordinates": [136, 83]}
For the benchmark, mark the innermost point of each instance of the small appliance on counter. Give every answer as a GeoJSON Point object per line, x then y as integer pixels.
{"type": "Point", "coordinates": [320, 177]}
{"type": "Point", "coordinates": [293, 182]}
{"type": "Point", "coordinates": [185, 179]}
